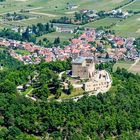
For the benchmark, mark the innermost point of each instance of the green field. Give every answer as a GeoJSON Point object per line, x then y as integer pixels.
{"type": "Point", "coordinates": [42, 11]}
{"type": "Point", "coordinates": [52, 36]}
{"type": "Point", "coordinates": [75, 92]}
{"type": "Point", "coordinates": [59, 7]}
{"type": "Point", "coordinates": [22, 52]}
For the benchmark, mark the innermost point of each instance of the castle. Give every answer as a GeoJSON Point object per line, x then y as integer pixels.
{"type": "Point", "coordinates": [83, 68]}
{"type": "Point", "coordinates": [96, 80]}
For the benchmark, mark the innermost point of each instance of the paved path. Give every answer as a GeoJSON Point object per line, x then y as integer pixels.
{"type": "Point", "coordinates": [27, 95]}
{"type": "Point", "coordinates": [60, 75]}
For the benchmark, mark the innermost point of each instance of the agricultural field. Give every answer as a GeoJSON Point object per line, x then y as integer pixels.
{"type": "Point", "coordinates": [135, 6]}
{"type": "Point", "coordinates": [52, 6]}
{"type": "Point", "coordinates": [42, 11]}
{"type": "Point", "coordinates": [129, 65]}
{"type": "Point", "coordinates": [123, 64]}
{"type": "Point", "coordinates": [30, 21]}
{"type": "Point", "coordinates": [46, 10]}
{"type": "Point", "coordinates": [103, 22]}
{"type": "Point", "coordinates": [129, 27]}
{"type": "Point", "coordinates": [136, 68]}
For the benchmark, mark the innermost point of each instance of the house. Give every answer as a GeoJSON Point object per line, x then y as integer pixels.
{"type": "Point", "coordinates": [64, 30]}
{"type": "Point", "coordinates": [72, 6]}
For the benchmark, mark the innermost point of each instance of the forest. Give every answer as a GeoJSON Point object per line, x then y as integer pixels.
{"type": "Point", "coordinates": [113, 115]}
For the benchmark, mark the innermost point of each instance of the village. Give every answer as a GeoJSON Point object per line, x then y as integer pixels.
{"type": "Point", "coordinates": [90, 48]}
{"type": "Point", "coordinates": [104, 46]}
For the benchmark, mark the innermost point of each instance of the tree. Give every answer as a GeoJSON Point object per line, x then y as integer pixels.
{"type": "Point", "coordinates": [64, 76]}
{"type": "Point", "coordinates": [70, 88]}
{"type": "Point", "coordinates": [7, 87]}
{"type": "Point", "coordinates": [42, 92]}
{"type": "Point", "coordinates": [57, 41]}
{"type": "Point", "coordinates": [58, 93]}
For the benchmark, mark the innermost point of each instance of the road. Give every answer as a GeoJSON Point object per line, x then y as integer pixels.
{"type": "Point", "coordinates": [43, 14]}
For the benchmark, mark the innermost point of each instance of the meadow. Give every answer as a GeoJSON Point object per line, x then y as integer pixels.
{"type": "Point", "coordinates": [52, 36]}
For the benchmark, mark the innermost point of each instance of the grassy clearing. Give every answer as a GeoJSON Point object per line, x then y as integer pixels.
{"type": "Point", "coordinates": [2, 48]}
{"type": "Point", "coordinates": [22, 52]}
{"type": "Point", "coordinates": [76, 92]}
{"type": "Point", "coordinates": [122, 64]}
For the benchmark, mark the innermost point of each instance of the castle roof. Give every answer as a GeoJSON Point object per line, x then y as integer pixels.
{"type": "Point", "coordinates": [80, 60]}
